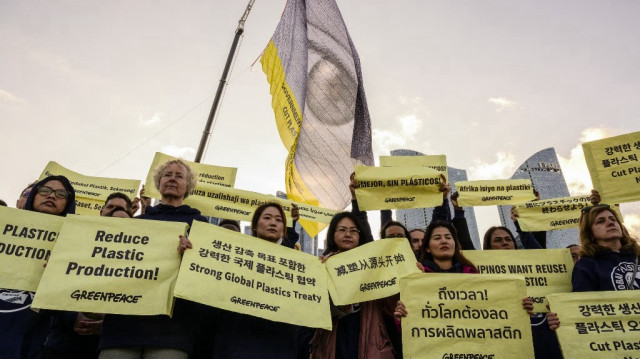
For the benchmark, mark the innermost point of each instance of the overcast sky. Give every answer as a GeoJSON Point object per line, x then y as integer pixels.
{"type": "Point", "coordinates": [100, 86]}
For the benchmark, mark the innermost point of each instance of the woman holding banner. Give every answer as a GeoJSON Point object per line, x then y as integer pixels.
{"type": "Point", "coordinates": [360, 330]}
{"type": "Point", "coordinates": [609, 255]}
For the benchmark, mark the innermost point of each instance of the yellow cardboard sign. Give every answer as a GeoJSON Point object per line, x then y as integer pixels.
{"type": "Point", "coordinates": [464, 316]}
{"type": "Point", "coordinates": [551, 214]}
{"type": "Point", "coordinates": [598, 324]}
{"type": "Point", "coordinates": [91, 192]}
{"type": "Point", "coordinates": [397, 187]}
{"type": "Point", "coordinates": [614, 167]}
{"type": "Point", "coordinates": [207, 174]}
{"type": "Point", "coordinates": [233, 203]}
{"type": "Point", "coordinates": [494, 192]}
{"type": "Point", "coordinates": [26, 240]}
{"type": "Point", "coordinates": [437, 162]}
{"type": "Point", "coordinates": [545, 271]}
{"type": "Point", "coordinates": [252, 276]}
{"type": "Point", "coordinates": [112, 265]}
{"type": "Point", "coordinates": [370, 271]}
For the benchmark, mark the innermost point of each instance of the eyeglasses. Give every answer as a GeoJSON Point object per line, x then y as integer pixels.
{"type": "Point", "coordinates": [586, 210]}
{"type": "Point", "coordinates": [352, 231]}
{"type": "Point", "coordinates": [60, 193]}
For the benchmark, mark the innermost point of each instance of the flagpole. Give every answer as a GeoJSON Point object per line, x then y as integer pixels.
{"type": "Point", "coordinates": [206, 134]}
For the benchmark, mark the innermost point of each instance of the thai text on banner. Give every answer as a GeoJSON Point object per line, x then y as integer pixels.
{"type": "Point", "coordinates": [233, 203]}
{"type": "Point", "coordinates": [397, 187]}
{"type": "Point", "coordinates": [598, 324]}
{"type": "Point", "coordinates": [436, 162]}
{"type": "Point", "coordinates": [252, 276]}
{"type": "Point", "coordinates": [545, 271]}
{"type": "Point", "coordinates": [614, 167]}
{"type": "Point", "coordinates": [494, 192]}
{"type": "Point", "coordinates": [370, 271]}
{"type": "Point", "coordinates": [91, 192]}
{"type": "Point", "coordinates": [468, 316]}
{"type": "Point", "coordinates": [112, 265]}
{"type": "Point", "coordinates": [26, 240]}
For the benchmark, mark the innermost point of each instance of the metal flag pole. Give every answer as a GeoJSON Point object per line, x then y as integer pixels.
{"type": "Point", "coordinates": [206, 134]}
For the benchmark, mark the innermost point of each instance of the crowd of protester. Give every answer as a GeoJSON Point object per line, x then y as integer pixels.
{"type": "Point", "coordinates": [360, 330]}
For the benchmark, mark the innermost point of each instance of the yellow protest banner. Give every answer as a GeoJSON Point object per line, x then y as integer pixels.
{"type": "Point", "coordinates": [233, 203]}
{"type": "Point", "coordinates": [551, 214]}
{"type": "Point", "coordinates": [468, 316]}
{"type": "Point", "coordinates": [545, 271]}
{"type": "Point", "coordinates": [614, 167]}
{"type": "Point", "coordinates": [112, 265]}
{"type": "Point", "coordinates": [26, 241]}
{"type": "Point", "coordinates": [370, 271]}
{"type": "Point", "coordinates": [437, 162]}
{"type": "Point", "coordinates": [494, 192]}
{"type": "Point", "coordinates": [598, 324]}
{"type": "Point", "coordinates": [207, 174]}
{"type": "Point", "coordinates": [252, 276]}
{"type": "Point", "coordinates": [397, 187]}
{"type": "Point", "coordinates": [91, 192]}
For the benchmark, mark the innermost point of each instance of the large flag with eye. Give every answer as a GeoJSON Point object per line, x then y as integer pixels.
{"type": "Point", "coordinates": [318, 98]}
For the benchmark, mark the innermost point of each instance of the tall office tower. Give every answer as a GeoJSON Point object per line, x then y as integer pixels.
{"type": "Point", "coordinates": [420, 217]}
{"type": "Point", "coordinates": [543, 168]}
{"type": "Point", "coordinates": [307, 243]}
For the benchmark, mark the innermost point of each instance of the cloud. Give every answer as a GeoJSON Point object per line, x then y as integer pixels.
{"type": "Point", "coordinates": [156, 118]}
{"type": "Point", "coordinates": [502, 103]}
{"type": "Point", "coordinates": [10, 99]}
{"type": "Point", "coordinates": [574, 168]}
{"type": "Point", "coordinates": [502, 168]}
{"type": "Point", "coordinates": [384, 141]}
{"type": "Point", "coordinates": [632, 222]}
{"type": "Point", "coordinates": [187, 153]}
{"type": "Point", "coordinates": [410, 125]}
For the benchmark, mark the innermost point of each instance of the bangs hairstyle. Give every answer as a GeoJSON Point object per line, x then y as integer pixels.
{"type": "Point", "coordinates": [191, 176]}
{"type": "Point", "coordinates": [486, 242]}
{"type": "Point", "coordinates": [331, 241]}
{"type": "Point", "coordinates": [457, 254]}
{"type": "Point", "coordinates": [589, 246]}
{"type": "Point", "coordinates": [394, 223]}
{"type": "Point", "coordinates": [258, 213]}
{"type": "Point", "coordinates": [122, 196]}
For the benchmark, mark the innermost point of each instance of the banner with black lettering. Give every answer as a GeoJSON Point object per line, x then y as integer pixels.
{"type": "Point", "coordinates": [494, 192]}
{"type": "Point", "coordinates": [112, 265]}
{"type": "Point", "coordinates": [370, 271]}
{"type": "Point", "coordinates": [91, 192]}
{"type": "Point", "coordinates": [464, 316]}
{"type": "Point", "coordinates": [551, 214]}
{"type": "Point", "coordinates": [397, 187]}
{"type": "Point", "coordinates": [598, 324]}
{"type": "Point", "coordinates": [233, 203]}
{"type": "Point", "coordinates": [545, 271]}
{"type": "Point", "coordinates": [614, 167]}
{"type": "Point", "coordinates": [247, 275]}
{"type": "Point", "coordinates": [436, 162]}
{"type": "Point", "coordinates": [26, 241]}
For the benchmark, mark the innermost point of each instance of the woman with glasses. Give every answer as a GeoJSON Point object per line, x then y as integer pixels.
{"type": "Point", "coordinates": [360, 330]}
{"type": "Point", "coordinates": [609, 255]}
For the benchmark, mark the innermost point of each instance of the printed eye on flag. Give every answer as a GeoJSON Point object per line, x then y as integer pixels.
{"type": "Point", "coordinates": [319, 103]}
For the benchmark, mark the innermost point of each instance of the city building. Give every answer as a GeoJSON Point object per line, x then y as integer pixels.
{"type": "Point", "coordinates": [543, 169]}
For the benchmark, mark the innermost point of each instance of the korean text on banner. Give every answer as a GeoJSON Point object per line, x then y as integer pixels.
{"type": "Point", "coordinates": [26, 241]}
{"type": "Point", "coordinates": [91, 192]}
{"type": "Point", "coordinates": [252, 276]}
{"type": "Point", "coordinates": [370, 271]}
{"type": "Point", "coordinates": [468, 316]}
{"type": "Point", "coordinates": [598, 324]}
{"type": "Point", "coordinates": [437, 162]}
{"type": "Point", "coordinates": [494, 192]}
{"type": "Point", "coordinates": [545, 271]}
{"type": "Point", "coordinates": [397, 187]}
{"type": "Point", "coordinates": [207, 174]}
{"type": "Point", "coordinates": [551, 214]}
{"type": "Point", "coordinates": [614, 167]}
{"type": "Point", "coordinates": [112, 265]}
{"type": "Point", "coordinates": [233, 203]}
